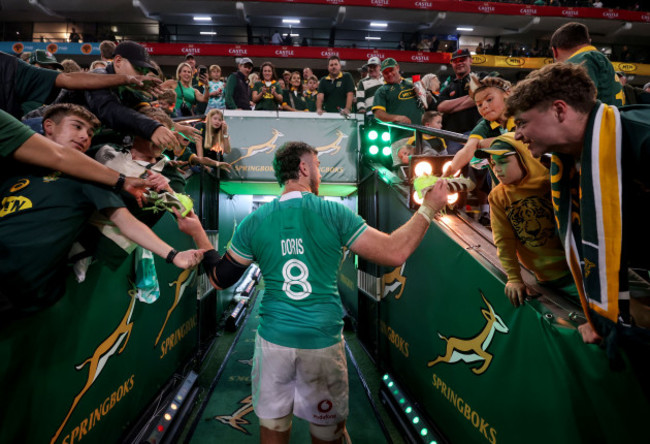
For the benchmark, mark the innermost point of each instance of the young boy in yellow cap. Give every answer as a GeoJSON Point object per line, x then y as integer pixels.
{"type": "Point", "coordinates": [523, 225]}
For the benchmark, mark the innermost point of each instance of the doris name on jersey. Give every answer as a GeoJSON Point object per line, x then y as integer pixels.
{"type": "Point", "coordinates": [292, 246]}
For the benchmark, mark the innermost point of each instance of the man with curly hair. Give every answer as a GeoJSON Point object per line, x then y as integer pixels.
{"type": "Point", "coordinates": [599, 188]}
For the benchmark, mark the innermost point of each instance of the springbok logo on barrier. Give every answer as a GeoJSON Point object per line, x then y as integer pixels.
{"type": "Point", "coordinates": [390, 282]}
{"type": "Point", "coordinates": [97, 361]}
{"type": "Point", "coordinates": [265, 147]}
{"type": "Point", "coordinates": [333, 147]}
{"type": "Point", "coordinates": [184, 279]}
{"type": "Point", "coordinates": [236, 419]}
{"type": "Point", "coordinates": [474, 349]}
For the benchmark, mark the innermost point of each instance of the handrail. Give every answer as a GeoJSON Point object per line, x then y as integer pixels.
{"type": "Point", "coordinates": [419, 130]}
{"type": "Point", "coordinates": [448, 135]}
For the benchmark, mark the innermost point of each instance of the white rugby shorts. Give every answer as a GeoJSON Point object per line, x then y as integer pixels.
{"type": "Point", "coordinates": [310, 383]}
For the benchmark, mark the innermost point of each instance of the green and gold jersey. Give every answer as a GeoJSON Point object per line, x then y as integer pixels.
{"type": "Point", "coordinates": [601, 71]}
{"type": "Point", "coordinates": [335, 91]}
{"type": "Point", "coordinates": [297, 241]}
{"type": "Point", "coordinates": [486, 129]}
{"type": "Point", "coordinates": [310, 99]}
{"type": "Point", "coordinates": [268, 101]}
{"type": "Point", "coordinates": [295, 100]}
{"type": "Point", "coordinates": [41, 216]}
{"type": "Point", "coordinates": [401, 99]}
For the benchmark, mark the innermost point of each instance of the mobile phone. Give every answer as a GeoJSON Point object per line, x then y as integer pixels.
{"type": "Point", "coordinates": [203, 70]}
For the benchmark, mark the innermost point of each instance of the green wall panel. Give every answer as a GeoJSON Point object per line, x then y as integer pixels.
{"type": "Point", "coordinates": [532, 381]}
{"type": "Point", "coordinates": [84, 369]}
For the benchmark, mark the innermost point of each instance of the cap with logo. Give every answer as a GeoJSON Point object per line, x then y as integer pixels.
{"type": "Point", "coordinates": [498, 148]}
{"type": "Point", "coordinates": [245, 61]}
{"type": "Point", "coordinates": [388, 63]}
{"type": "Point", "coordinates": [136, 54]}
{"type": "Point", "coordinates": [373, 61]}
{"type": "Point", "coordinates": [460, 53]}
{"type": "Point", "coordinates": [42, 57]}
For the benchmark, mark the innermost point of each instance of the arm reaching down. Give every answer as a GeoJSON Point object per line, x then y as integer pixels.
{"type": "Point", "coordinates": [142, 235]}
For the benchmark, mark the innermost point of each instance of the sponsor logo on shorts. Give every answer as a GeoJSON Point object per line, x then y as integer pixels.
{"type": "Point", "coordinates": [325, 406]}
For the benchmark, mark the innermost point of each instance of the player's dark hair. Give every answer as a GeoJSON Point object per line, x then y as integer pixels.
{"type": "Point", "coordinates": [286, 163]}
{"type": "Point", "coordinates": [570, 35]}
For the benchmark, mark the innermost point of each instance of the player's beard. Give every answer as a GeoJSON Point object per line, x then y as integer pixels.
{"type": "Point", "coordinates": [313, 185]}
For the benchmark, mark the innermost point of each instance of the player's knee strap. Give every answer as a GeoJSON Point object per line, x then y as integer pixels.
{"type": "Point", "coordinates": [223, 271]}
{"type": "Point", "coordinates": [326, 432]}
{"type": "Point", "coordinates": [278, 424]}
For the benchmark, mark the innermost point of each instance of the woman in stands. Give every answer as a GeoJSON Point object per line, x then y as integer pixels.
{"type": "Point", "coordinates": [186, 95]}
{"type": "Point", "coordinates": [293, 98]}
{"type": "Point", "coordinates": [267, 93]}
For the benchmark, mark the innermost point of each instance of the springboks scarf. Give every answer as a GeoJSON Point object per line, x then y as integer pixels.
{"type": "Point", "coordinates": [588, 212]}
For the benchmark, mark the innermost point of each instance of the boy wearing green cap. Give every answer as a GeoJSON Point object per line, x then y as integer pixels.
{"type": "Point", "coordinates": [523, 226]}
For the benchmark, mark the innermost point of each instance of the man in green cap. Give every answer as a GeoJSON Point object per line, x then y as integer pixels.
{"type": "Point", "coordinates": [396, 101]}
{"type": "Point", "coordinates": [44, 59]}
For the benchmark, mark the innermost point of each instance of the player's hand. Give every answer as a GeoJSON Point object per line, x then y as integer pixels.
{"type": "Point", "coordinates": [188, 258]}
{"type": "Point", "coordinates": [516, 292]}
{"type": "Point", "coordinates": [190, 224]}
{"type": "Point", "coordinates": [436, 196]}
{"type": "Point", "coordinates": [136, 187]}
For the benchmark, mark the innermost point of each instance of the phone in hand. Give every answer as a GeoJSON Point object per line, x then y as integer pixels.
{"type": "Point", "coordinates": [203, 71]}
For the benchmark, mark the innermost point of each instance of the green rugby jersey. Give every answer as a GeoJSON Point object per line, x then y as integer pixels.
{"type": "Point", "coordinates": [399, 98]}
{"type": "Point", "coordinates": [297, 240]}
{"type": "Point", "coordinates": [608, 88]}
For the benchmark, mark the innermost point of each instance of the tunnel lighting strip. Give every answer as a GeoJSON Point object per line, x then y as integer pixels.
{"type": "Point", "coordinates": [414, 418]}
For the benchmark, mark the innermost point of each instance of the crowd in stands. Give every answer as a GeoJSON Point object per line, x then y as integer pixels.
{"type": "Point", "coordinates": [121, 114]}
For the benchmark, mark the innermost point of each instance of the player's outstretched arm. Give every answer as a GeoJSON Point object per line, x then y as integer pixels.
{"type": "Point", "coordinates": [393, 249]}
